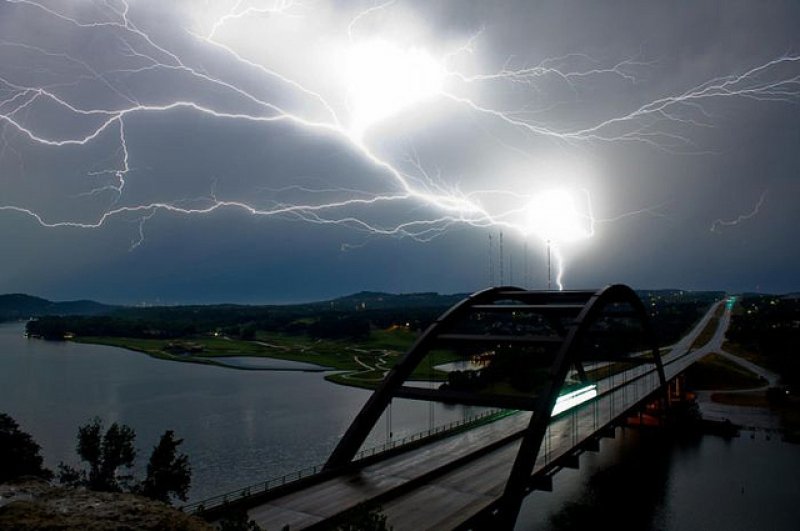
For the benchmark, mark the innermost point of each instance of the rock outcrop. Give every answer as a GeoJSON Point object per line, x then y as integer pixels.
{"type": "Point", "coordinates": [37, 505]}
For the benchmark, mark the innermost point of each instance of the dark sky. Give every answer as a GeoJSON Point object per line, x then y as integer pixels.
{"type": "Point", "coordinates": [170, 152]}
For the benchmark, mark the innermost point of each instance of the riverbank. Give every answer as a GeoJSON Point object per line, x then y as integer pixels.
{"type": "Point", "coordinates": [730, 388]}
{"type": "Point", "coordinates": [674, 480]}
{"type": "Point", "coordinates": [356, 363]}
{"type": "Point", "coordinates": [239, 427]}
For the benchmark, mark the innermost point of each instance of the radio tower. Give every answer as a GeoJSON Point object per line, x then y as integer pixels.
{"type": "Point", "coordinates": [525, 279]}
{"type": "Point", "coordinates": [491, 261]}
{"type": "Point", "coordinates": [510, 268]}
{"type": "Point", "coordinates": [502, 276]}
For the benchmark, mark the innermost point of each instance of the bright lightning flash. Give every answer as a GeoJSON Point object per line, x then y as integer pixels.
{"type": "Point", "coordinates": [553, 217]}
{"type": "Point", "coordinates": [376, 79]}
{"type": "Point", "coordinates": [383, 79]}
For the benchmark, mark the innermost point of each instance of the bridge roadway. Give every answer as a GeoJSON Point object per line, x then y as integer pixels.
{"type": "Point", "coordinates": [443, 484]}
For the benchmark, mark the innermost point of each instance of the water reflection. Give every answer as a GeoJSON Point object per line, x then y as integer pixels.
{"type": "Point", "coordinates": [239, 427]}
{"type": "Point", "coordinates": [652, 481]}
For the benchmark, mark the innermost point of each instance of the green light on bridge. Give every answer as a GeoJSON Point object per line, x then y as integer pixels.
{"type": "Point", "coordinates": [574, 398]}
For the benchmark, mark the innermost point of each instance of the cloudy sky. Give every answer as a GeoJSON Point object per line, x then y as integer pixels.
{"type": "Point", "coordinates": [274, 151]}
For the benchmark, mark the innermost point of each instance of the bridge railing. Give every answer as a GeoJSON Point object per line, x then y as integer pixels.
{"type": "Point", "coordinates": [619, 394]}
{"type": "Point", "coordinates": [280, 481]}
{"type": "Point", "coordinates": [584, 421]}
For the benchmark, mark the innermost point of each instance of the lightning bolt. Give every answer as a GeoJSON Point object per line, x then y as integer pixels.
{"type": "Point", "coordinates": [241, 10]}
{"type": "Point", "coordinates": [720, 223]}
{"type": "Point", "coordinates": [655, 124]}
{"type": "Point", "coordinates": [556, 252]}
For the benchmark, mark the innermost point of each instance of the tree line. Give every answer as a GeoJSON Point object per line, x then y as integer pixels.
{"type": "Point", "coordinates": [672, 314]}
{"type": "Point", "coordinates": [107, 456]}
{"type": "Point", "coordinates": [161, 324]}
{"type": "Point", "coordinates": [770, 326]}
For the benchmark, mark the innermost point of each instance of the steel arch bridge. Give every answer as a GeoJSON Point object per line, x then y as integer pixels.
{"type": "Point", "coordinates": [567, 319]}
{"type": "Point", "coordinates": [474, 474]}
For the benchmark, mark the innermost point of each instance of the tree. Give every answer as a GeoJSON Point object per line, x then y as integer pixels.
{"type": "Point", "coordinates": [238, 521]}
{"type": "Point", "coordinates": [248, 331]}
{"type": "Point", "coordinates": [105, 455]}
{"type": "Point", "coordinates": [168, 473]}
{"type": "Point", "coordinates": [365, 517]}
{"type": "Point", "coordinates": [19, 453]}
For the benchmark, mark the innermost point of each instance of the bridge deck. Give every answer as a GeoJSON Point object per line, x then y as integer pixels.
{"type": "Point", "coordinates": [328, 498]}
{"type": "Point", "coordinates": [442, 484]}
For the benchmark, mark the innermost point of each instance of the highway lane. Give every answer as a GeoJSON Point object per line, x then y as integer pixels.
{"type": "Point", "coordinates": [451, 497]}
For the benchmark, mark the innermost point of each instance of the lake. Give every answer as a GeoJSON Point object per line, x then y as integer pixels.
{"type": "Point", "coordinates": [239, 426]}
{"type": "Point", "coordinates": [653, 481]}
{"type": "Point", "coordinates": [244, 426]}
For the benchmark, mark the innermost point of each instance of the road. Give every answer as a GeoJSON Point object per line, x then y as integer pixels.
{"type": "Point", "coordinates": [441, 497]}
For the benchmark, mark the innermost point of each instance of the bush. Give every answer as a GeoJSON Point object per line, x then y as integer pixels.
{"type": "Point", "coordinates": [105, 454]}
{"type": "Point", "coordinates": [19, 453]}
{"type": "Point", "coordinates": [168, 473]}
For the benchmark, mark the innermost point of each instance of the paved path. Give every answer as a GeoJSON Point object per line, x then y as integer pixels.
{"type": "Point", "coordinates": [771, 378]}
{"type": "Point", "coordinates": [746, 416]}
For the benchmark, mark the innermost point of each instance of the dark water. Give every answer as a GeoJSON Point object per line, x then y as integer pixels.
{"type": "Point", "coordinates": [650, 481]}
{"type": "Point", "coordinates": [239, 427]}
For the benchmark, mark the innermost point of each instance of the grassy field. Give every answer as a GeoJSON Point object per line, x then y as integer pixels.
{"type": "Point", "coordinates": [708, 331]}
{"type": "Point", "coordinates": [754, 399]}
{"type": "Point", "coordinates": [715, 372]}
{"type": "Point", "coordinates": [755, 357]}
{"type": "Point", "coordinates": [359, 363]}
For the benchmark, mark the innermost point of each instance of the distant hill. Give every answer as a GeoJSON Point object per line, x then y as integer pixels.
{"type": "Point", "coordinates": [375, 300]}
{"type": "Point", "coordinates": [17, 306]}
{"type": "Point", "coordinates": [379, 300]}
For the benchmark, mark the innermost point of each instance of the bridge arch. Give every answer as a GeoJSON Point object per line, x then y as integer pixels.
{"type": "Point", "coordinates": [518, 483]}
{"type": "Point", "coordinates": [570, 316]}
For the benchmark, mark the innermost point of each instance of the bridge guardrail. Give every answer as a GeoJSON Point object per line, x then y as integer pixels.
{"type": "Point", "coordinates": [286, 479]}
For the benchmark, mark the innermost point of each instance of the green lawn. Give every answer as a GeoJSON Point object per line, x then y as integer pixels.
{"type": "Point", "coordinates": [749, 355]}
{"type": "Point", "coordinates": [715, 372]}
{"type": "Point", "coordinates": [708, 331]}
{"type": "Point", "coordinates": [378, 353]}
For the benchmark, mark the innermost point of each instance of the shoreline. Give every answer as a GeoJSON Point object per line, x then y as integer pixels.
{"type": "Point", "coordinates": [209, 360]}
{"type": "Point", "coordinates": [748, 409]}
{"type": "Point", "coordinates": [339, 375]}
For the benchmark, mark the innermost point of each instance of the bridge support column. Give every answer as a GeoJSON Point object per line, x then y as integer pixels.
{"type": "Point", "coordinates": [677, 389]}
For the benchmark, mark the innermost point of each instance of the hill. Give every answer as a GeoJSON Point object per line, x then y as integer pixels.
{"type": "Point", "coordinates": [376, 300]}
{"type": "Point", "coordinates": [17, 306]}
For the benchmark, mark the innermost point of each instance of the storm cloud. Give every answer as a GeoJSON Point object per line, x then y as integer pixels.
{"type": "Point", "coordinates": [231, 151]}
